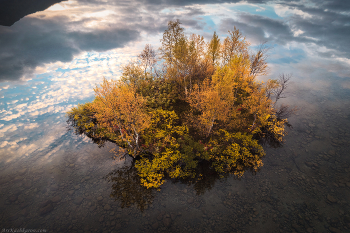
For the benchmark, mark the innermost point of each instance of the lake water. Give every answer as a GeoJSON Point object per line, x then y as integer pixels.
{"type": "Point", "coordinates": [52, 179]}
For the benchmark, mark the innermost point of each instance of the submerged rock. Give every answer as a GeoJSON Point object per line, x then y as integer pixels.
{"type": "Point", "coordinates": [167, 221]}
{"type": "Point", "coordinates": [24, 205]}
{"type": "Point", "coordinates": [54, 187]}
{"type": "Point", "coordinates": [13, 198]}
{"type": "Point", "coordinates": [190, 200]}
{"type": "Point", "coordinates": [4, 180]}
{"type": "Point", "coordinates": [45, 203]}
{"type": "Point", "coordinates": [118, 226]}
{"type": "Point", "coordinates": [78, 200]}
{"type": "Point", "coordinates": [24, 212]}
{"type": "Point", "coordinates": [70, 192]}
{"type": "Point", "coordinates": [107, 207]}
{"type": "Point", "coordinates": [28, 184]}
{"type": "Point", "coordinates": [331, 199]}
{"type": "Point", "coordinates": [46, 209]}
{"type": "Point", "coordinates": [335, 230]}
{"type": "Point", "coordinates": [155, 226]}
{"type": "Point", "coordinates": [56, 199]}
{"type": "Point", "coordinates": [173, 216]}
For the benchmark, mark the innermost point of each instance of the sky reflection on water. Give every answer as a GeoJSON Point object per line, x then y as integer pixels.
{"type": "Point", "coordinates": [51, 60]}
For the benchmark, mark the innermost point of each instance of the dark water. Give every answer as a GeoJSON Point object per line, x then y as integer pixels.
{"type": "Point", "coordinates": [302, 187]}
{"type": "Point", "coordinates": [51, 179]}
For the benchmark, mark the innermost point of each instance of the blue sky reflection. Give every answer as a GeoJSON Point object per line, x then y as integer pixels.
{"type": "Point", "coordinates": [51, 60]}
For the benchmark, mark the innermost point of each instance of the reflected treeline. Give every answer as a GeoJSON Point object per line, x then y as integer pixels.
{"type": "Point", "coordinates": [207, 176]}
{"type": "Point", "coordinates": [128, 190]}
{"type": "Point", "coordinates": [205, 179]}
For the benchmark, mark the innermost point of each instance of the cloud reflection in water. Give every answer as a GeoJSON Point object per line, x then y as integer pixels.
{"type": "Point", "coordinates": [51, 60]}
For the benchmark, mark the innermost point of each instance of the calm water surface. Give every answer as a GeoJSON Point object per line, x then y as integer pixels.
{"type": "Point", "coordinates": [52, 179]}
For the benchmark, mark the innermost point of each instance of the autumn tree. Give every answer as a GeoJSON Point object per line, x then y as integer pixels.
{"type": "Point", "coordinates": [234, 45]}
{"type": "Point", "coordinates": [258, 61]}
{"type": "Point", "coordinates": [211, 104]}
{"type": "Point", "coordinates": [120, 110]}
{"type": "Point", "coordinates": [214, 49]}
{"type": "Point", "coordinates": [170, 42]}
{"type": "Point", "coordinates": [197, 103]}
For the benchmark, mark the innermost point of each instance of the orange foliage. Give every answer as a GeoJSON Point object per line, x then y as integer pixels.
{"type": "Point", "coordinates": [121, 110]}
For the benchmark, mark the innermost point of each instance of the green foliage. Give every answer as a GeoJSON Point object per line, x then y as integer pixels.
{"type": "Point", "coordinates": [200, 105]}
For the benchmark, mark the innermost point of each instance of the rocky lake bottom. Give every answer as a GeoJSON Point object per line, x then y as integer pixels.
{"type": "Point", "coordinates": [303, 186]}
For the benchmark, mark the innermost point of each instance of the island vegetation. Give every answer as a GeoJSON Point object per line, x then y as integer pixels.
{"type": "Point", "coordinates": [190, 103]}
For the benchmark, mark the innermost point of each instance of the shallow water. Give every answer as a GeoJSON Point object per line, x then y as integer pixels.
{"type": "Point", "coordinates": [54, 180]}
{"type": "Point", "coordinates": [303, 186]}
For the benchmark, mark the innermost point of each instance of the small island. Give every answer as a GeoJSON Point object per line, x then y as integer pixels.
{"type": "Point", "coordinates": [192, 103]}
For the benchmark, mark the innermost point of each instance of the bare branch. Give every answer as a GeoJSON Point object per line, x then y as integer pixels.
{"type": "Point", "coordinates": [283, 83]}
{"type": "Point", "coordinates": [285, 111]}
{"type": "Point", "coordinates": [148, 57]}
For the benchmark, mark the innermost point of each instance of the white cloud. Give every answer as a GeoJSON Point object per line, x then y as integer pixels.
{"type": "Point", "coordinates": [56, 7]}
{"type": "Point", "coordinates": [286, 11]}
{"type": "Point", "coordinates": [31, 126]}
{"type": "Point", "coordinates": [73, 85]}
{"type": "Point", "coordinates": [11, 116]}
{"type": "Point", "coordinates": [298, 32]}
{"type": "Point", "coordinates": [7, 129]}
{"type": "Point", "coordinates": [20, 106]}
{"type": "Point", "coordinates": [3, 144]}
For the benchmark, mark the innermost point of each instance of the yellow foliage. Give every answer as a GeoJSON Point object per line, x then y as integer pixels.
{"type": "Point", "coordinates": [202, 105]}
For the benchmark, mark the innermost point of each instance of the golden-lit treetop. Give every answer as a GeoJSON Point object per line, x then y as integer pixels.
{"type": "Point", "coordinates": [194, 103]}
